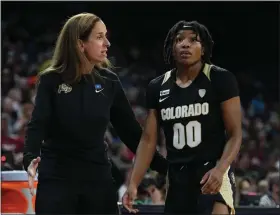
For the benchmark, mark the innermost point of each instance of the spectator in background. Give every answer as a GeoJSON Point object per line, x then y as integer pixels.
{"type": "Point", "coordinates": [152, 190]}
{"type": "Point", "coordinates": [21, 123]}
{"type": "Point", "coordinates": [243, 164]}
{"type": "Point", "coordinates": [246, 197]}
{"type": "Point", "coordinates": [143, 197]}
{"type": "Point", "coordinates": [11, 106]}
{"type": "Point", "coordinates": [271, 198]}
{"type": "Point", "coordinates": [156, 189]}
{"type": "Point", "coordinates": [7, 80]}
{"type": "Point", "coordinates": [257, 106]}
{"type": "Point", "coordinates": [263, 187]}
{"type": "Point", "coordinates": [245, 185]}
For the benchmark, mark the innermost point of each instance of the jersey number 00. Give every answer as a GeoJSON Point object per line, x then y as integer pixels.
{"type": "Point", "coordinates": [187, 135]}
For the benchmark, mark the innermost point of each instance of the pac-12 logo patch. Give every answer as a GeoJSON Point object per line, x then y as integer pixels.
{"type": "Point", "coordinates": [202, 92]}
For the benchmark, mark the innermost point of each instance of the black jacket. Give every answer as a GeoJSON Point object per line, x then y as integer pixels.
{"type": "Point", "coordinates": [68, 125]}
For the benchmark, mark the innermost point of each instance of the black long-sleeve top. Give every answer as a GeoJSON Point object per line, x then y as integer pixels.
{"type": "Point", "coordinates": [68, 124]}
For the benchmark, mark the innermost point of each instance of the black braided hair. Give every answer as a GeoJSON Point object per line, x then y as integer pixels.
{"type": "Point", "coordinates": [201, 30]}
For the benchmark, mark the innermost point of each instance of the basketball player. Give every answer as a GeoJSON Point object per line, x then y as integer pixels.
{"type": "Point", "coordinates": [197, 105]}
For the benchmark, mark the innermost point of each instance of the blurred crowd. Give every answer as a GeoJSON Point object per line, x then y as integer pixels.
{"type": "Point", "coordinates": [256, 168]}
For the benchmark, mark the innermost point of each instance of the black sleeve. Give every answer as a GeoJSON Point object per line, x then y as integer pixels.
{"type": "Point", "coordinates": [225, 85]}
{"type": "Point", "coordinates": [36, 128]}
{"type": "Point", "coordinates": [129, 129]}
{"type": "Point", "coordinates": [152, 96]}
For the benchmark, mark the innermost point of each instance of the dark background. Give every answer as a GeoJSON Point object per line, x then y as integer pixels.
{"type": "Point", "coordinates": [245, 33]}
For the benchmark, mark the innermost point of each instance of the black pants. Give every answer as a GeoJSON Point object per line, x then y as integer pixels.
{"type": "Point", "coordinates": [184, 192]}
{"type": "Point", "coordinates": [61, 197]}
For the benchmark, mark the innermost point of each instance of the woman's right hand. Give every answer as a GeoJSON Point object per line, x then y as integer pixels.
{"type": "Point", "coordinates": [31, 171]}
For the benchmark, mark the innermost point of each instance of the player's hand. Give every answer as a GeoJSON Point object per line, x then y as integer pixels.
{"type": "Point", "coordinates": [129, 197]}
{"type": "Point", "coordinates": [212, 181]}
{"type": "Point", "coordinates": [31, 171]}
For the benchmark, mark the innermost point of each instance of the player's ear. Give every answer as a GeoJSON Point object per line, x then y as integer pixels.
{"type": "Point", "coordinates": [202, 51]}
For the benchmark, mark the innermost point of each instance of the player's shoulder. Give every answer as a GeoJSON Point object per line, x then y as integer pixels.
{"type": "Point", "coordinates": [217, 69]}
{"type": "Point", "coordinates": [219, 74]}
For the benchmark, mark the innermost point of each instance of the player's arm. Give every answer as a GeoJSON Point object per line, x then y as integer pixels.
{"type": "Point", "coordinates": [146, 148]}
{"type": "Point", "coordinates": [227, 92]}
{"type": "Point", "coordinates": [147, 145]}
{"type": "Point", "coordinates": [129, 129]}
{"type": "Point", "coordinates": [231, 112]}
{"type": "Point", "coordinates": [37, 126]}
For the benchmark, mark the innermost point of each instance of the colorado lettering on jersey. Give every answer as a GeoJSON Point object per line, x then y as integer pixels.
{"type": "Point", "coordinates": [184, 111]}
